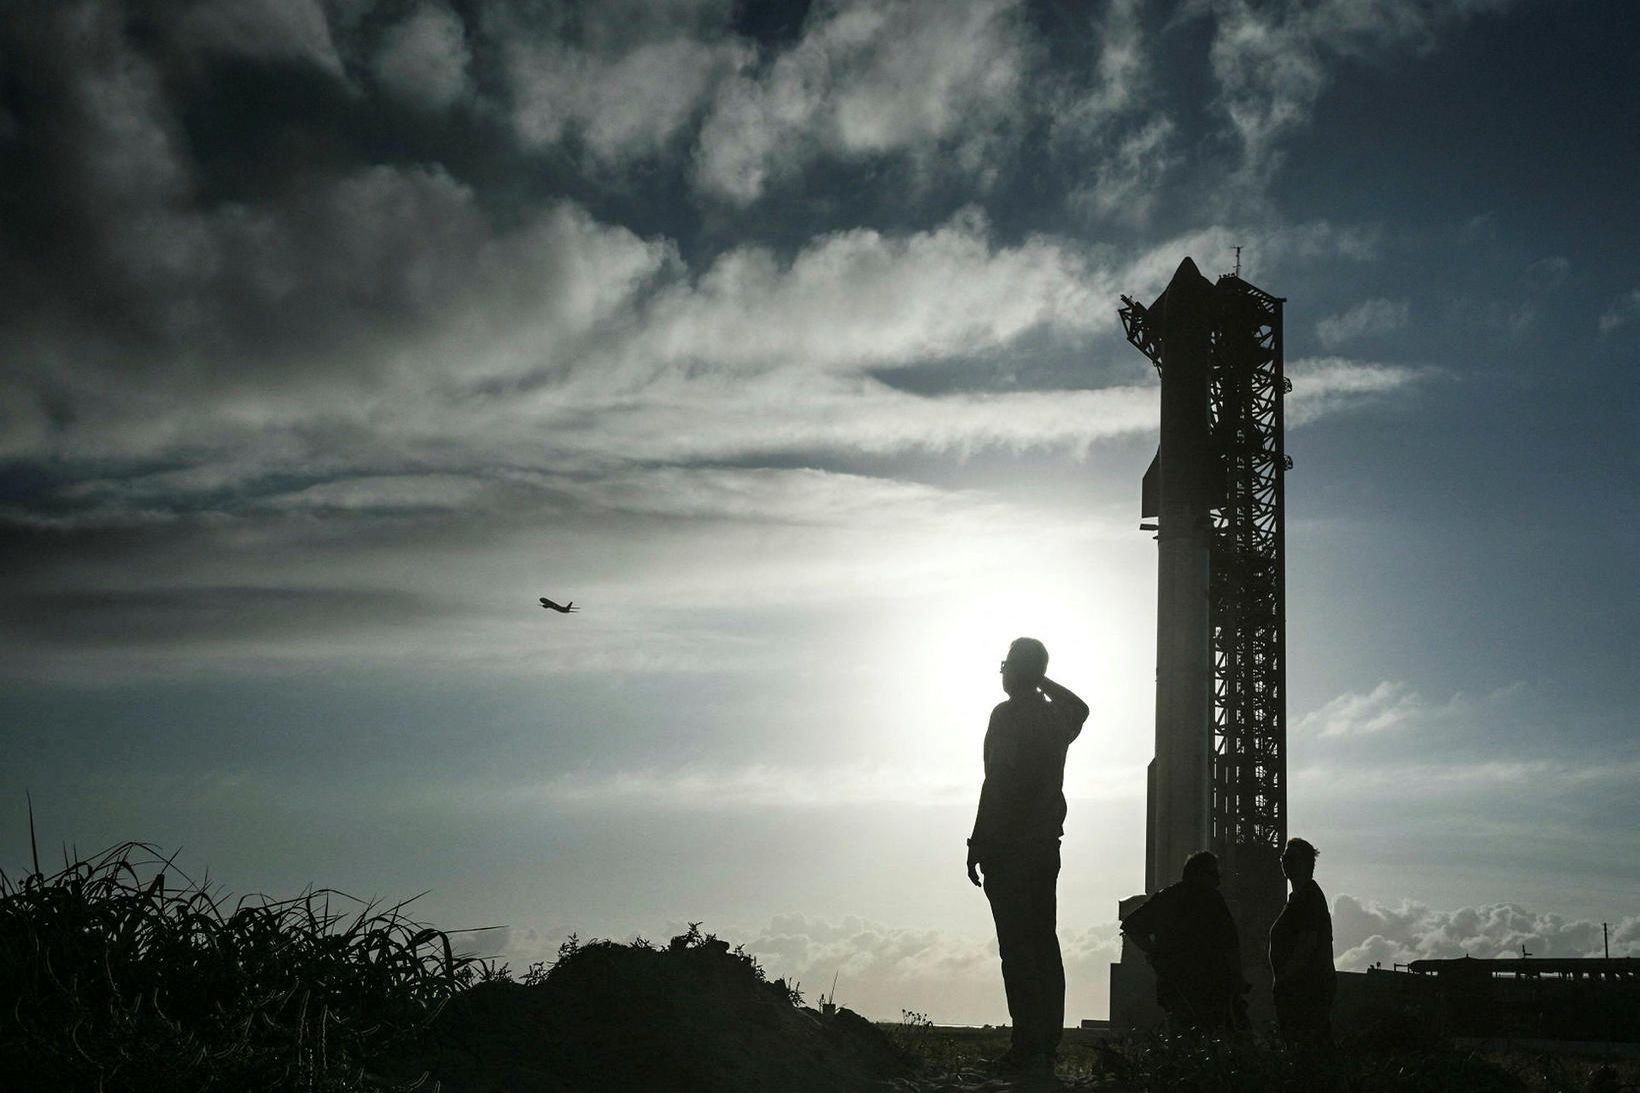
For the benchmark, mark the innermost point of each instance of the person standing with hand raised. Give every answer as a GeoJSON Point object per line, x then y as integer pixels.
{"type": "Point", "coordinates": [1015, 846]}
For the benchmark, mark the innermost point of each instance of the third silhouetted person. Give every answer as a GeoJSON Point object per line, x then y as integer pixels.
{"type": "Point", "coordinates": [1190, 940]}
{"type": "Point", "coordinates": [1016, 845]}
{"type": "Point", "coordinates": [1301, 952]}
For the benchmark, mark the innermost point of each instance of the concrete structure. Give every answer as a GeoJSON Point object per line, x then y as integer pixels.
{"type": "Point", "coordinates": [1218, 779]}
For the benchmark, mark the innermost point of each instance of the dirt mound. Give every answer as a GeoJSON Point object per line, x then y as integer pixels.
{"type": "Point", "coordinates": [696, 1015]}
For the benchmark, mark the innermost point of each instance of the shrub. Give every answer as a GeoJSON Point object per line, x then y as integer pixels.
{"type": "Point", "coordinates": [112, 977]}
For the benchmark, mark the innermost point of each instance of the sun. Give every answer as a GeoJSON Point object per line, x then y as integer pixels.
{"type": "Point", "coordinates": [947, 655]}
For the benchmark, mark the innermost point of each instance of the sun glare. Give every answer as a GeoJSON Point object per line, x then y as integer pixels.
{"type": "Point", "coordinates": [947, 652]}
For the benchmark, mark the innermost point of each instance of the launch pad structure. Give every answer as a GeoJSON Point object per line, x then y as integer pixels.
{"type": "Point", "coordinates": [1215, 495]}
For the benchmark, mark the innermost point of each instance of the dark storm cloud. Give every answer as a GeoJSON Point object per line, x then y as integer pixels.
{"type": "Point", "coordinates": [212, 200]}
{"type": "Point", "coordinates": [303, 284]}
{"type": "Point", "coordinates": [184, 616]}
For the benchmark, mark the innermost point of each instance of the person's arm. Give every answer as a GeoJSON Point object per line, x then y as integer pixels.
{"type": "Point", "coordinates": [1139, 927]}
{"type": "Point", "coordinates": [985, 815]}
{"type": "Point", "coordinates": [1144, 941]}
{"type": "Point", "coordinates": [1076, 711]}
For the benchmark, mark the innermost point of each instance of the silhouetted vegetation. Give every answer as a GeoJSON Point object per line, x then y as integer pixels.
{"type": "Point", "coordinates": [693, 1014]}
{"type": "Point", "coordinates": [1393, 1059]}
{"type": "Point", "coordinates": [113, 976]}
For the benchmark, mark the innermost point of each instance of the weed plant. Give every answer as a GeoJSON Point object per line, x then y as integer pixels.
{"type": "Point", "coordinates": [112, 977]}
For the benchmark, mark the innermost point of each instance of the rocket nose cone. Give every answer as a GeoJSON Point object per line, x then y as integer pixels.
{"type": "Point", "coordinates": [1188, 283]}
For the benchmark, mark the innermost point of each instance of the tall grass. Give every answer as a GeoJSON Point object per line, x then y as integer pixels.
{"type": "Point", "coordinates": [114, 977]}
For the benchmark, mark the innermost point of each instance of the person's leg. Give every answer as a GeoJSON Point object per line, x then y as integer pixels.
{"type": "Point", "coordinates": [1324, 1032]}
{"type": "Point", "coordinates": [1051, 1014]}
{"type": "Point", "coordinates": [1305, 1016]}
{"type": "Point", "coordinates": [1032, 964]}
{"type": "Point", "coordinates": [1008, 893]}
{"type": "Point", "coordinates": [1288, 1016]}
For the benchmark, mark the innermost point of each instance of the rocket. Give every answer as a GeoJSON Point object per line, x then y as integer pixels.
{"type": "Point", "coordinates": [1179, 492]}
{"type": "Point", "coordinates": [1213, 495]}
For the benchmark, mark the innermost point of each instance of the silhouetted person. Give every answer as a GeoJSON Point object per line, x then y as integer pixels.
{"type": "Point", "coordinates": [1301, 952]}
{"type": "Point", "coordinates": [1188, 936]}
{"type": "Point", "coordinates": [1016, 844]}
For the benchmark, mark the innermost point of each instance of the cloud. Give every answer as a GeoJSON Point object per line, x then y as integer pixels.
{"type": "Point", "coordinates": [289, 322]}
{"type": "Point", "coordinates": [859, 298]}
{"type": "Point", "coordinates": [295, 30]}
{"type": "Point", "coordinates": [488, 943]}
{"type": "Point", "coordinates": [1325, 385]}
{"type": "Point", "coordinates": [393, 493]}
{"type": "Point", "coordinates": [1622, 311]}
{"type": "Point", "coordinates": [1274, 61]}
{"type": "Point", "coordinates": [1112, 129]}
{"type": "Point", "coordinates": [348, 315]}
{"type": "Point", "coordinates": [100, 147]}
{"type": "Point", "coordinates": [423, 58]}
{"type": "Point", "coordinates": [1128, 177]}
{"type": "Point", "coordinates": [1393, 706]}
{"type": "Point", "coordinates": [1367, 933]}
{"type": "Point", "coordinates": [1424, 781]}
{"type": "Point", "coordinates": [881, 970]}
{"type": "Point", "coordinates": [577, 345]}
{"type": "Point", "coordinates": [1547, 274]}
{"type": "Point", "coordinates": [737, 787]}
{"type": "Point", "coordinates": [684, 569]}
{"type": "Point", "coordinates": [802, 496]}
{"type": "Point", "coordinates": [328, 380]}
{"type": "Point", "coordinates": [407, 300]}
{"type": "Point", "coordinates": [1488, 765]}
{"type": "Point", "coordinates": [869, 79]}
{"type": "Point", "coordinates": [756, 786]}
{"type": "Point", "coordinates": [1369, 318]}
{"type": "Point", "coordinates": [176, 617]}
{"type": "Point", "coordinates": [621, 104]}
{"type": "Point", "coordinates": [1390, 705]}
{"type": "Point", "coordinates": [518, 365]}
{"type": "Point", "coordinates": [792, 413]}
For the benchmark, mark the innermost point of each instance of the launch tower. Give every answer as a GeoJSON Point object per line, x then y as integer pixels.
{"type": "Point", "coordinates": [1214, 491]}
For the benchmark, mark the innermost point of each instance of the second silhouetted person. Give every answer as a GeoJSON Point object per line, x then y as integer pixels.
{"type": "Point", "coordinates": [1301, 952]}
{"type": "Point", "coordinates": [1187, 934]}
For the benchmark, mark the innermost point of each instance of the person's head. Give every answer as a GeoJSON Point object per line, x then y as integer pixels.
{"type": "Point", "coordinates": [1027, 663]}
{"type": "Point", "coordinates": [1202, 867]}
{"type": "Point", "coordinates": [1298, 859]}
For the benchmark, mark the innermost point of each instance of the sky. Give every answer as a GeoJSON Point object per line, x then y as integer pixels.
{"type": "Point", "coordinates": [782, 339]}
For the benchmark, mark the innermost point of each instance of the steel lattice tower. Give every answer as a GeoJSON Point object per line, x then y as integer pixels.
{"type": "Point", "coordinates": [1219, 779]}
{"type": "Point", "coordinates": [1246, 609]}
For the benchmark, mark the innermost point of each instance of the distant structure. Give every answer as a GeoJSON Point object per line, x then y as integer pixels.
{"type": "Point", "coordinates": [1214, 493]}
{"type": "Point", "coordinates": [1590, 1000]}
